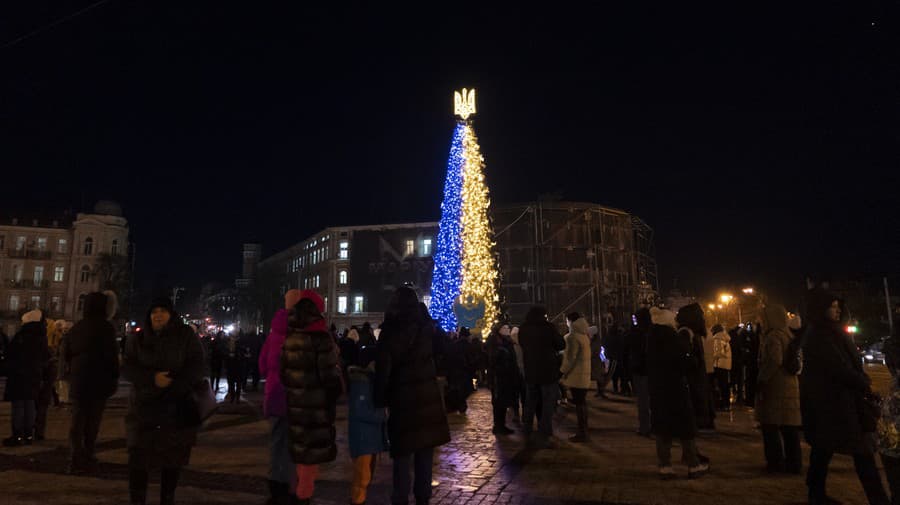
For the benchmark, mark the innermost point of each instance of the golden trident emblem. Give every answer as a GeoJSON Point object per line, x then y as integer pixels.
{"type": "Point", "coordinates": [464, 103]}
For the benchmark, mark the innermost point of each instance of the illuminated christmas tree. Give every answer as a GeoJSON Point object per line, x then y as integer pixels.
{"type": "Point", "coordinates": [465, 269]}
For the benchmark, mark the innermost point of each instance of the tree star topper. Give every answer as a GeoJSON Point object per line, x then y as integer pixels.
{"type": "Point", "coordinates": [464, 103]}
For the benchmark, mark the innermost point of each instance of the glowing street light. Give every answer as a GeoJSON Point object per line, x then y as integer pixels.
{"type": "Point", "coordinates": [747, 291]}
{"type": "Point", "coordinates": [726, 298]}
{"type": "Point", "coordinates": [712, 306]}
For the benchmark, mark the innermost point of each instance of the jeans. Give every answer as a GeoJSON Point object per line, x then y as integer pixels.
{"type": "Point", "coordinates": [784, 455]}
{"type": "Point", "coordinates": [23, 418]}
{"type": "Point", "coordinates": [866, 470]}
{"type": "Point", "coordinates": [86, 418]}
{"type": "Point", "coordinates": [642, 389]}
{"type": "Point", "coordinates": [281, 466]}
{"type": "Point", "coordinates": [547, 394]}
{"type": "Point", "coordinates": [139, 476]}
{"type": "Point", "coordinates": [664, 451]}
{"type": "Point", "coordinates": [423, 459]}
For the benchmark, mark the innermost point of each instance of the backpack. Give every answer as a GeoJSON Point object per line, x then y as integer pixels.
{"type": "Point", "coordinates": [793, 355]}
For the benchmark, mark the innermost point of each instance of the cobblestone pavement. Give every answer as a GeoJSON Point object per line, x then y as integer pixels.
{"type": "Point", "coordinates": [229, 464]}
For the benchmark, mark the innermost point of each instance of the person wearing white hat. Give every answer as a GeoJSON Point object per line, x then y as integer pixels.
{"type": "Point", "coordinates": [27, 355]}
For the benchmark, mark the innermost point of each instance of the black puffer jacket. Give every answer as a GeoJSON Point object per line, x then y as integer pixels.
{"type": "Point", "coordinates": [26, 356]}
{"type": "Point", "coordinates": [312, 379]}
{"type": "Point", "coordinates": [406, 382]}
{"type": "Point", "coordinates": [541, 344]}
{"type": "Point", "coordinates": [668, 365]}
{"type": "Point", "coordinates": [92, 354]}
{"type": "Point", "coordinates": [153, 422]}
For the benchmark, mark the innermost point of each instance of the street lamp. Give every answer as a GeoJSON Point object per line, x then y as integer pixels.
{"type": "Point", "coordinates": [747, 291]}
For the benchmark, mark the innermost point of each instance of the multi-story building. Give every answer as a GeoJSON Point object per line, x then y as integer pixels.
{"type": "Point", "coordinates": [356, 268]}
{"type": "Point", "coordinates": [52, 264]}
{"type": "Point", "coordinates": [567, 256]}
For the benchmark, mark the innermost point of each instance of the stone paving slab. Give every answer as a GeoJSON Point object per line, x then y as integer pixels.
{"type": "Point", "coordinates": [229, 464]}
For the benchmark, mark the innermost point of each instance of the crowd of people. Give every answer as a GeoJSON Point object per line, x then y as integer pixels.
{"type": "Point", "coordinates": [403, 378]}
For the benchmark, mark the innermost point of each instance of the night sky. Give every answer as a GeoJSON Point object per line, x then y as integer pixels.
{"type": "Point", "coordinates": [759, 144]}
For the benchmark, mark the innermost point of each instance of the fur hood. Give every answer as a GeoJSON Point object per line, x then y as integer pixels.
{"type": "Point", "coordinates": [663, 317]}
{"type": "Point", "coordinates": [580, 325]}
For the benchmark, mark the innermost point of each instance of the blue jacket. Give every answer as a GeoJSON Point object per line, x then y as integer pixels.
{"type": "Point", "coordinates": [366, 423]}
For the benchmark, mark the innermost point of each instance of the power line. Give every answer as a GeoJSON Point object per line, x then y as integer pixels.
{"type": "Point", "coordinates": [53, 24]}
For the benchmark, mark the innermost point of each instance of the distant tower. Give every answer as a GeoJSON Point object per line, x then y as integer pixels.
{"type": "Point", "coordinates": [252, 253]}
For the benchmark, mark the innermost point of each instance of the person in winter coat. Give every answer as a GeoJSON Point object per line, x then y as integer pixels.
{"type": "Point", "coordinates": [459, 374]}
{"type": "Point", "coordinates": [520, 368]}
{"type": "Point", "coordinates": [778, 396]}
{"type": "Point", "coordinates": [637, 360]}
{"type": "Point", "coordinates": [504, 376]}
{"type": "Point", "coordinates": [598, 365]}
{"type": "Point", "coordinates": [833, 386]}
{"type": "Point", "coordinates": [312, 379]}
{"type": "Point", "coordinates": [540, 343]}
{"type": "Point", "coordinates": [692, 326]}
{"type": "Point", "coordinates": [614, 347]}
{"type": "Point", "coordinates": [669, 368]}
{"type": "Point", "coordinates": [26, 356]}
{"type": "Point", "coordinates": [406, 384]}
{"type": "Point", "coordinates": [164, 364]}
{"type": "Point", "coordinates": [236, 359]}
{"type": "Point", "coordinates": [92, 358]}
{"type": "Point", "coordinates": [216, 360]}
{"type": "Point", "coordinates": [366, 335]}
{"type": "Point", "coordinates": [366, 428]}
{"type": "Point", "coordinates": [721, 361]}
{"type": "Point", "coordinates": [349, 348]}
{"type": "Point", "coordinates": [281, 468]}
{"type": "Point", "coordinates": [576, 371]}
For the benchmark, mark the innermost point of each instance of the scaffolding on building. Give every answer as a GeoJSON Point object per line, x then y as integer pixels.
{"type": "Point", "coordinates": [572, 256]}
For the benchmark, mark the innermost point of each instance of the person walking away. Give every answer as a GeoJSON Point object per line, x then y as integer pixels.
{"type": "Point", "coordinates": [234, 368]}
{"type": "Point", "coordinates": [282, 473]}
{"type": "Point", "coordinates": [576, 371]}
{"type": "Point", "coordinates": [672, 415]}
{"type": "Point", "coordinates": [598, 364]}
{"type": "Point", "coordinates": [692, 326]}
{"type": "Point", "coordinates": [406, 384]}
{"type": "Point", "coordinates": [367, 428]}
{"type": "Point", "coordinates": [92, 358]}
{"type": "Point", "coordinates": [164, 364]}
{"type": "Point", "coordinates": [26, 356]}
{"type": "Point", "coordinates": [613, 345]}
{"type": "Point", "coordinates": [216, 360]}
{"type": "Point", "coordinates": [637, 360]}
{"type": "Point", "coordinates": [738, 368]}
{"type": "Point", "coordinates": [722, 366]}
{"type": "Point", "coordinates": [778, 396]}
{"type": "Point", "coordinates": [752, 364]}
{"type": "Point", "coordinates": [540, 343]}
{"type": "Point", "coordinates": [459, 374]}
{"type": "Point", "coordinates": [833, 387]}
{"type": "Point", "coordinates": [312, 380]}
{"type": "Point", "coordinates": [504, 376]}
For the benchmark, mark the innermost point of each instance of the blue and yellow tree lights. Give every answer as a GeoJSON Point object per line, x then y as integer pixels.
{"type": "Point", "coordinates": [465, 268]}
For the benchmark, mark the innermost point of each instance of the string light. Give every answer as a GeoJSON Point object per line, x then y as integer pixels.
{"type": "Point", "coordinates": [464, 264]}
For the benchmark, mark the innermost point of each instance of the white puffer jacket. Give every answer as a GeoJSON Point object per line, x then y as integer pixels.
{"type": "Point", "coordinates": [722, 350]}
{"type": "Point", "coordinates": [576, 366]}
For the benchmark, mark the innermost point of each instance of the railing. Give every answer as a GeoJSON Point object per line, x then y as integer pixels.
{"type": "Point", "coordinates": [27, 284]}
{"type": "Point", "coordinates": [37, 254]}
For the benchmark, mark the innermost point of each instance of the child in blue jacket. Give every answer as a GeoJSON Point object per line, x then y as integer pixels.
{"type": "Point", "coordinates": [367, 425]}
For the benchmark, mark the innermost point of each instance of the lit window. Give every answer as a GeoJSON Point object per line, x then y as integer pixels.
{"type": "Point", "coordinates": [38, 275]}
{"type": "Point", "coordinates": [427, 300]}
{"type": "Point", "coordinates": [342, 304]}
{"type": "Point", "coordinates": [317, 281]}
{"type": "Point", "coordinates": [13, 302]}
{"type": "Point", "coordinates": [358, 303]}
{"type": "Point", "coordinates": [80, 306]}
{"type": "Point", "coordinates": [426, 247]}
{"type": "Point", "coordinates": [342, 277]}
{"type": "Point", "coordinates": [59, 274]}
{"type": "Point", "coordinates": [85, 273]}
{"type": "Point", "coordinates": [325, 303]}
{"type": "Point", "coordinates": [42, 244]}
{"type": "Point", "coordinates": [36, 302]}
{"type": "Point", "coordinates": [62, 246]}
{"type": "Point", "coordinates": [345, 250]}
{"type": "Point", "coordinates": [410, 247]}
{"type": "Point", "coordinates": [17, 272]}
{"type": "Point", "coordinates": [88, 246]}
{"type": "Point", "coordinates": [20, 243]}
{"type": "Point", "coordinates": [114, 248]}
{"type": "Point", "coordinates": [56, 304]}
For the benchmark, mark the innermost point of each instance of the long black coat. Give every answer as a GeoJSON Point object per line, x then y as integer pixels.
{"type": "Point", "coordinates": [153, 422]}
{"type": "Point", "coordinates": [27, 355]}
{"type": "Point", "coordinates": [668, 365]}
{"type": "Point", "coordinates": [697, 379]}
{"type": "Point", "coordinates": [505, 378]}
{"type": "Point", "coordinates": [92, 354]}
{"type": "Point", "coordinates": [831, 390]}
{"type": "Point", "coordinates": [406, 383]}
{"type": "Point", "coordinates": [312, 380]}
{"type": "Point", "coordinates": [541, 344]}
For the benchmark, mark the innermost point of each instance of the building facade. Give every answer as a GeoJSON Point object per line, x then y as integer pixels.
{"type": "Point", "coordinates": [52, 264]}
{"type": "Point", "coordinates": [355, 269]}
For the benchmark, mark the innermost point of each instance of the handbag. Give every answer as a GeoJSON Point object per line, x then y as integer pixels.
{"type": "Point", "coordinates": [197, 406]}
